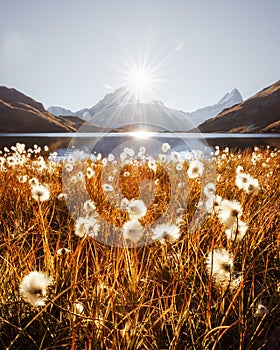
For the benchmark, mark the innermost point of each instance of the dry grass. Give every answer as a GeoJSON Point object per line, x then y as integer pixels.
{"type": "Point", "coordinates": [150, 297]}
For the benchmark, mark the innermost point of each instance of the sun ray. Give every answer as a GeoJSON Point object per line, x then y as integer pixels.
{"type": "Point", "coordinates": [142, 74]}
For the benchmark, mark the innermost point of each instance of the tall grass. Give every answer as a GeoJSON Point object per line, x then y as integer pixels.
{"type": "Point", "coordinates": [157, 296]}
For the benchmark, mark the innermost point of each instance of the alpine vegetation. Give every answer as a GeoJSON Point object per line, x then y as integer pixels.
{"type": "Point", "coordinates": [195, 169]}
{"type": "Point", "coordinates": [230, 212]}
{"type": "Point", "coordinates": [33, 288]}
{"type": "Point", "coordinates": [40, 193]}
{"type": "Point", "coordinates": [246, 182]}
{"type": "Point", "coordinates": [166, 232]}
{"type": "Point", "coordinates": [135, 250]}
{"type": "Point", "coordinates": [219, 264]}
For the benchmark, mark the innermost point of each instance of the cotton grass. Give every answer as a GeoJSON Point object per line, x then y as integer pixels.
{"type": "Point", "coordinates": [214, 286]}
{"type": "Point", "coordinates": [34, 288]}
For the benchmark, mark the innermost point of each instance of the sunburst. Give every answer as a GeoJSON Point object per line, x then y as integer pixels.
{"type": "Point", "coordinates": [142, 74]}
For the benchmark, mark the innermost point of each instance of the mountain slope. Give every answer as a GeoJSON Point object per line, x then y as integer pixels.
{"type": "Point", "coordinates": [230, 99]}
{"type": "Point", "coordinates": [20, 113]}
{"type": "Point", "coordinates": [18, 99]}
{"type": "Point", "coordinates": [259, 113]}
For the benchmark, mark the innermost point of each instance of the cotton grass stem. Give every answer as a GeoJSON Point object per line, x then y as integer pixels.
{"type": "Point", "coordinates": [48, 258]}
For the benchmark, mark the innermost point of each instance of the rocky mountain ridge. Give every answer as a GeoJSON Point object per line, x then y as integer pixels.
{"type": "Point", "coordinates": [258, 114]}
{"type": "Point", "coordinates": [20, 113]}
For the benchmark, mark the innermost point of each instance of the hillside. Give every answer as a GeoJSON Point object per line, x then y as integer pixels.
{"type": "Point", "coordinates": [21, 114]}
{"type": "Point", "coordinates": [258, 114]}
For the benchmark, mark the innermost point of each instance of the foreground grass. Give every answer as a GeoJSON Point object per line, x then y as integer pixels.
{"type": "Point", "coordinates": [156, 296]}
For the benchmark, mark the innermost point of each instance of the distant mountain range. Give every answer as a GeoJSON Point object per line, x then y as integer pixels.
{"type": "Point", "coordinates": [122, 96]}
{"type": "Point", "coordinates": [260, 113]}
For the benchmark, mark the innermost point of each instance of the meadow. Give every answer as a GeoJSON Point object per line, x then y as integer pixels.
{"type": "Point", "coordinates": [94, 256]}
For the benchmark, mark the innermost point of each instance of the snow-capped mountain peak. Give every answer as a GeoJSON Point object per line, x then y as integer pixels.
{"type": "Point", "coordinates": [122, 96]}
{"type": "Point", "coordinates": [60, 111]}
{"type": "Point", "coordinates": [230, 99]}
{"type": "Point", "coordinates": [233, 96]}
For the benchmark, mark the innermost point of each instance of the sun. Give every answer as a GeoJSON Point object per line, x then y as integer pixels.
{"type": "Point", "coordinates": [142, 73]}
{"type": "Point", "coordinates": [140, 81]}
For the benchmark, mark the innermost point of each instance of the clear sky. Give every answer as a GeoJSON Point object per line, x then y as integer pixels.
{"type": "Point", "coordinates": [71, 53]}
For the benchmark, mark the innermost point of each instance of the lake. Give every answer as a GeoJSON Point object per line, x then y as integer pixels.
{"type": "Point", "coordinates": [104, 142]}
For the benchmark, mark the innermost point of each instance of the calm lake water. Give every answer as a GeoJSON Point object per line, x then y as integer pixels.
{"type": "Point", "coordinates": [104, 142]}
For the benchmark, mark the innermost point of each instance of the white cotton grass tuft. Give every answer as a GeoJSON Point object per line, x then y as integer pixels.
{"type": "Point", "coordinates": [33, 181]}
{"type": "Point", "coordinates": [216, 204]}
{"type": "Point", "coordinates": [229, 212]}
{"type": "Point", "coordinates": [89, 172]}
{"type": "Point", "coordinates": [129, 151]}
{"type": "Point", "coordinates": [33, 288]}
{"type": "Point", "coordinates": [165, 147]}
{"type": "Point", "coordinates": [124, 204]}
{"type": "Point", "coordinates": [22, 179]}
{"type": "Point", "coordinates": [247, 183]}
{"type": "Point", "coordinates": [136, 208]}
{"type": "Point", "coordinates": [219, 265]}
{"type": "Point", "coordinates": [69, 167]}
{"type": "Point", "coordinates": [89, 208]}
{"type": "Point", "coordinates": [152, 164]}
{"type": "Point", "coordinates": [40, 193]}
{"type": "Point", "coordinates": [175, 157]}
{"type": "Point", "coordinates": [261, 310]}
{"type": "Point", "coordinates": [104, 162]}
{"type": "Point", "coordinates": [111, 157]}
{"type": "Point", "coordinates": [195, 169]}
{"type": "Point", "coordinates": [107, 187]}
{"type": "Point", "coordinates": [162, 158]}
{"type": "Point", "coordinates": [123, 156]}
{"type": "Point", "coordinates": [85, 227]}
{"type": "Point", "coordinates": [209, 190]}
{"type": "Point", "coordinates": [133, 230]}
{"type": "Point", "coordinates": [62, 196]}
{"type": "Point", "coordinates": [166, 232]}
{"type": "Point", "coordinates": [70, 158]}
{"type": "Point", "coordinates": [252, 186]}
{"type": "Point", "coordinates": [206, 205]}
{"type": "Point", "coordinates": [179, 166]}
{"type": "Point", "coordinates": [239, 169]}
{"type": "Point", "coordinates": [237, 231]}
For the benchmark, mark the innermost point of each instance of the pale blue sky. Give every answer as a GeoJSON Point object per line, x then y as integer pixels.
{"type": "Point", "coordinates": [68, 53]}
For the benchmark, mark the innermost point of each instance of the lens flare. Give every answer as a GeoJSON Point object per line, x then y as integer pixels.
{"type": "Point", "coordinates": [140, 80]}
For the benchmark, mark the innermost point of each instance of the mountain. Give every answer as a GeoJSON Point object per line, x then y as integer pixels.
{"type": "Point", "coordinates": [59, 111]}
{"type": "Point", "coordinates": [20, 113]}
{"type": "Point", "coordinates": [122, 96]}
{"type": "Point", "coordinates": [18, 99]}
{"type": "Point", "coordinates": [203, 114]}
{"type": "Point", "coordinates": [118, 97]}
{"type": "Point", "coordinates": [258, 114]}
